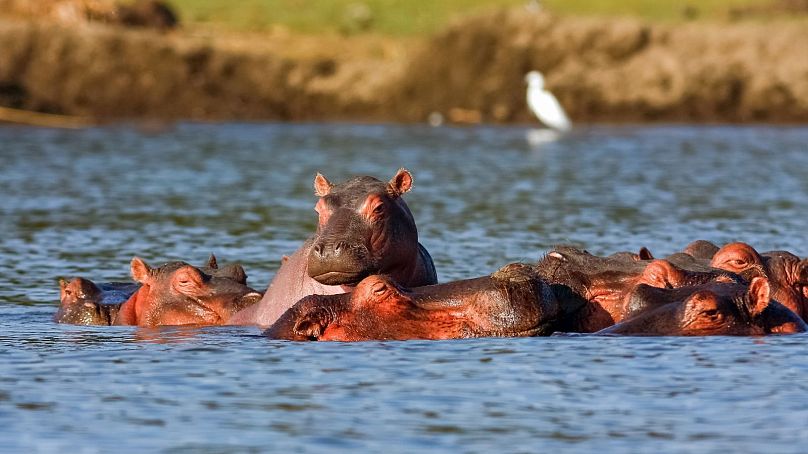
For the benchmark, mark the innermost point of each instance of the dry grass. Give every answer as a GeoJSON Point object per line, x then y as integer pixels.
{"type": "Point", "coordinates": [67, 12]}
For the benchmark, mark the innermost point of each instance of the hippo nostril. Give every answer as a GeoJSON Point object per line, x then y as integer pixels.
{"type": "Point", "coordinates": [339, 247]}
{"type": "Point", "coordinates": [318, 249]}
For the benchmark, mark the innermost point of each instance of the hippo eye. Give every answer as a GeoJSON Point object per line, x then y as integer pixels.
{"type": "Point", "coordinates": [736, 263]}
{"type": "Point", "coordinates": [379, 288]}
{"type": "Point", "coordinates": [379, 210]}
{"type": "Point", "coordinates": [557, 255]}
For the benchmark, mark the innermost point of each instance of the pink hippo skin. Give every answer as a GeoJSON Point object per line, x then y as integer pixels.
{"type": "Point", "coordinates": [83, 302]}
{"type": "Point", "coordinates": [712, 309]}
{"type": "Point", "coordinates": [786, 272]}
{"type": "Point", "coordinates": [364, 228]}
{"type": "Point", "coordinates": [512, 302]}
{"type": "Point", "coordinates": [181, 294]}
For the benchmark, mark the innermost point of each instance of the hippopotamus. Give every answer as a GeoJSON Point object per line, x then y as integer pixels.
{"type": "Point", "coordinates": [711, 309]}
{"type": "Point", "coordinates": [786, 272]}
{"type": "Point", "coordinates": [364, 228]}
{"type": "Point", "coordinates": [512, 302]}
{"type": "Point", "coordinates": [83, 302]}
{"type": "Point", "coordinates": [605, 284]}
{"type": "Point", "coordinates": [181, 294]}
{"type": "Point", "coordinates": [701, 249]}
{"type": "Point", "coordinates": [642, 254]}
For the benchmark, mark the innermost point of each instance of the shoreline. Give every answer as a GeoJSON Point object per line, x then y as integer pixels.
{"type": "Point", "coordinates": [604, 71]}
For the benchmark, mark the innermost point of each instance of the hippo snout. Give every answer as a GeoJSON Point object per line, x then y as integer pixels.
{"type": "Point", "coordinates": [308, 319]}
{"type": "Point", "coordinates": [339, 263]}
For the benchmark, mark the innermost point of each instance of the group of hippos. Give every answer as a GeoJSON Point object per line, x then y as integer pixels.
{"type": "Point", "coordinates": [363, 275]}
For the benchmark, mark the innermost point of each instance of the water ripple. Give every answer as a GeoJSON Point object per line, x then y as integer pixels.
{"type": "Point", "coordinates": [85, 202]}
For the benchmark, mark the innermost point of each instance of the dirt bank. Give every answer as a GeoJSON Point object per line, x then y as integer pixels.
{"type": "Point", "coordinates": [601, 70]}
{"type": "Point", "coordinates": [114, 74]}
{"type": "Point", "coordinates": [609, 71]}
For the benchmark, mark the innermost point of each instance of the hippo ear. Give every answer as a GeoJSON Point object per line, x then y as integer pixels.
{"type": "Point", "coordinates": [62, 288]}
{"type": "Point", "coordinates": [140, 270]}
{"type": "Point", "coordinates": [322, 187]}
{"type": "Point", "coordinates": [400, 183]}
{"type": "Point", "coordinates": [759, 295]}
{"type": "Point", "coordinates": [212, 263]}
{"type": "Point", "coordinates": [645, 254]}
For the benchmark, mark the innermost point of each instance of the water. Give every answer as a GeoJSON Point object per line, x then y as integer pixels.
{"type": "Point", "coordinates": [83, 203]}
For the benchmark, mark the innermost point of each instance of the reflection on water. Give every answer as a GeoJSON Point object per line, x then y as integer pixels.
{"type": "Point", "coordinates": [83, 203]}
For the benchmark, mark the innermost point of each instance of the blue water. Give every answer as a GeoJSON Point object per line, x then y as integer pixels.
{"type": "Point", "coordinates": [85, 202]}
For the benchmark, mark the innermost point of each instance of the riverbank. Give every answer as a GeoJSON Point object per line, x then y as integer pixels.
{"type": "Point", "coordinates": [602, 70]}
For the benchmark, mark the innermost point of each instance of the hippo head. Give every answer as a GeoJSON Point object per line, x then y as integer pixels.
{"type": "Point", "coordinates": [365, 228]}
{"type": "Point", "coordinates": [701, 249]}
{"type": "Point", "coordinates": [80, 303]}
{"type": "Point", "coordinates": [789, 277]}
{"type": "Point", "coordinates": [740, 258]}
{"type": "Point", "coordinates": [643, 254]}
{"type": "Point", "coordinates": [712, 309]}
{"type": "Point", "coordinates": [607, 280]}
{"type": "Point", "coordinates": [666, 274]}
{"type": "Point", "coordinates": [786, 272]}
{"type": "Point", "coordinates": [512, 302]}
{"type": "Point", "coordinates": [178, 293]}
{"type": "Point", "coordinates": [325, 317]}
{"type": "Point", "coordinates": [605, 284]}
{"type": "Point", "coordinates": [234, 271]}
{"type": "Point", "coordinates": [581, 271]}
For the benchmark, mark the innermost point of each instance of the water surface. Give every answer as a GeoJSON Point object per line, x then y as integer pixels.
{"type": "Point", "coordinates": [85, 202]}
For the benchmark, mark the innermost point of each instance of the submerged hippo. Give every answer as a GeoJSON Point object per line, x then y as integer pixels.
{"type": "Point", "coordinates": [512, 302]}
{"type": "Point", "coordinates": [181, 294]}
{"type": "Point", "coordinates": [83, 302]}
{"type": "Point", "coordinates": [786, 272]}
{"type": "Point", "coordinates": [701, 249]}
{"type": "Point", "coordinates": [642, 254]}
{"type": "Point", "coordinates": [709, 310]}
{"type": "Point", "coordinates": [604, 284]}
{"type": "Point", "coordinates": [364, 228]}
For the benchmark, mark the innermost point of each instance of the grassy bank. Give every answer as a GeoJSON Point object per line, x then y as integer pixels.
{"type": "Point", "coordinates": [412, 17]}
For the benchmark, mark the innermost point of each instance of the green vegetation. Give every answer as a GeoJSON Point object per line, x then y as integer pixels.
{"type": "Point", "coordinates": [414, 17]}
{"type": "Point", "coordinates": [653, 9]}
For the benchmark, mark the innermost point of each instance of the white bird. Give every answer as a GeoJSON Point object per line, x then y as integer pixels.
{"type": "Point", "coordinates": [544, 104]}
